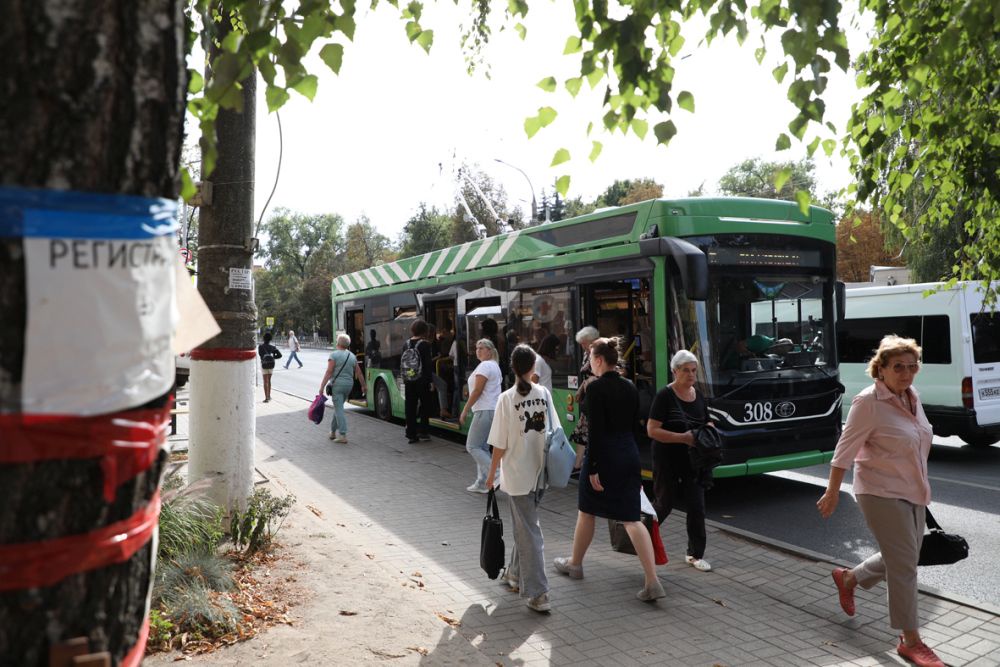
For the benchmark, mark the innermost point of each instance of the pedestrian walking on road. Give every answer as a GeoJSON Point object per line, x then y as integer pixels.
{"type": "Point", "coordinates": [520, 423]}
{"type": "Point", "coordinates": [484, 391]}
{"type": "Point", "coordinates": [340, 376]}
{"type": "Point", "coordinates": [611, 478]}
{"type": "Point", "coordinates": [268, 354]}
{"type": "Point", "coordinates": [293, 350]}
{"type": "Point", "coordinates": [887, 438]}
{"type": "Point", "coordinates": [415, 367]}
{"type": "Point", "coordinates": [676, 411]}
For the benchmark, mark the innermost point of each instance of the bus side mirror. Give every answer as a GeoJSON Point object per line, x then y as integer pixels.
{"type": "Point", "coordinates": [841, 293]}
{"type": "Point", "coordinates": [687, 260]}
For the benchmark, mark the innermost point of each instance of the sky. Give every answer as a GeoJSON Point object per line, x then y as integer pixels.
{"type": "Point", "coordinates": [391, 130]}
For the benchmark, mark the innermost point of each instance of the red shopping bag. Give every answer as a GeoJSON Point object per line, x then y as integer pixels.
{"type": "Point", "coordinates": [659, 552]}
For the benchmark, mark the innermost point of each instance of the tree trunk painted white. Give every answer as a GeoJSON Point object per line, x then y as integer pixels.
{"type": "Point", "coordinates": [222, 429]}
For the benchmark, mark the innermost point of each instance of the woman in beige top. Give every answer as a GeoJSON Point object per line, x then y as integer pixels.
{"type": "Point", "coordinates": [887, 438]}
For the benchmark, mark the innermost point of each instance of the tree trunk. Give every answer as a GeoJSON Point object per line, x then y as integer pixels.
{"type": "Point", "coordinates": [94, 94]}
{"type": "Point", "coordinates": [222, 426]}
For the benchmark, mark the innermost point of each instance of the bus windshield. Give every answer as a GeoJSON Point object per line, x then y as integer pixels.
{"type": "Point", "coordinates": [760, 323]}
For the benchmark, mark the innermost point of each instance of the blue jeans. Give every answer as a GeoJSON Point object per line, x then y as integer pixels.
{"type": "Point", "coordinates": [339, 420]}
{"type": "Point", "coordinates": [293, 355]}
{"type": "Point", "coordinates": [475, 443]}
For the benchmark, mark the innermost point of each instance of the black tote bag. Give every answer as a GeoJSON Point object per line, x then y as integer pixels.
{"type": "Point", "coordinates": [491, 549]}
{"type": "Point", "coordinates": [939, 547]}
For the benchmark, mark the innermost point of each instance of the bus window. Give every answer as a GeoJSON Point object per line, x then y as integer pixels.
{"type": "Point", "coordinates": [542, 318]}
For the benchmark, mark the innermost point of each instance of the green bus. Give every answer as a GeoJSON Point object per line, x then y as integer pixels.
{"type": "Point", "coordinates": [703, 274]}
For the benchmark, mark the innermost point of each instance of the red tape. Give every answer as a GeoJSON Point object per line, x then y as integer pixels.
{"type": "Point", "coordinates": [126, 442]}
{"type": "Point", "coordinates": [135, 655]}
{"type": "Point", "coordinates": [42, 564]}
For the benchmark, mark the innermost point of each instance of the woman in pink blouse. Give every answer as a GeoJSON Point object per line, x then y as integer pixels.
{"type": "Point", "coordinates": [887, 437]}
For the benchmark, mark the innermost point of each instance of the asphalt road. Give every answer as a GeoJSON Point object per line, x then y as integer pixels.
{"type": "Point", "coordinates": [965, 483]}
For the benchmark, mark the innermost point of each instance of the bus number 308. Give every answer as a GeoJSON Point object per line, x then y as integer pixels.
{"type": "Point", "coordinates": [758, 412]}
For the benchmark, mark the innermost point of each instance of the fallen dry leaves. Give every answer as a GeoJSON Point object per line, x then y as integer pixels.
{"type": "Point", "coordinates": [453, 622]}
{"type": "Point", "coordinates": [258, 599]}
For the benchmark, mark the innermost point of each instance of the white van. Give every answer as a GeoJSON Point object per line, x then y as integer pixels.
{"type": "Point", "coordinates": [959, 380]}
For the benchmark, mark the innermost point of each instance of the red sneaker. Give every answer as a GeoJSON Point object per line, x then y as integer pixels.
{"type": "Point", "coordinates": [919, 654]}
{"type": "Point", "coordinates": [846, 594]}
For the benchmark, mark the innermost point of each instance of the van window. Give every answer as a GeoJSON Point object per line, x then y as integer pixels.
{"type": "Point", "coordinates": [985, 337]}
{"type": "Point", "coordinates": [857, 339]}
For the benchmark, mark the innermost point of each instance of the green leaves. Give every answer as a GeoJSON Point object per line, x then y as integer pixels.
{"type": "Point", "coordinates": [333, 55]}
{"type": "Point", "coordinates": [306, 86]}
{"type": "Point", "coordinates": [276, 98]}
{"type": "Point", "coordinates": [685, 100]}
{"type": "Point", "coordinates": [548, 84]}
{"type": "Point", "coordinates": [544, 118]}
{"type": "Point", "coordinates": [595, 150]}
{"type": "Point", "coordinates": [664, 132]}
{"type": "Point", "coordinates": [561, 155]}
{"type": "Point", "coordinates": [562, 185]}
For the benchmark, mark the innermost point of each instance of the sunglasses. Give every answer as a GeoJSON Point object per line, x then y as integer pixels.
{"type": "Point", "coordinates": [900, 367]}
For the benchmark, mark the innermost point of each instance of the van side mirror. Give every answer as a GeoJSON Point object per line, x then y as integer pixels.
{"type": "Point", "coordinates": [841, 294]}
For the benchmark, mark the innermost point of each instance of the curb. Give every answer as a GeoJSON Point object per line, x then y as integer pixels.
{"type": "Point", "coordinates": [823, 558]}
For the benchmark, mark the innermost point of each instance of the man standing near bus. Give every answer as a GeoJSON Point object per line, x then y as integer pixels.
{"type": "Point", "coordinates": [293, 349]}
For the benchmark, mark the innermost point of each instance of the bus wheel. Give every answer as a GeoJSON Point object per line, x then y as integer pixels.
{"type": "Point", "coordinates": [383, 404]}
{"type": "Point", "coordinates": [979, 440]}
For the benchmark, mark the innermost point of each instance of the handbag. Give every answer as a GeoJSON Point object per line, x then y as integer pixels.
{"type": "Point", "coordinates": [559, 454]}
{"type": "Point", "coordinates": [316, 409]}
{"type": "Point", "coordinates": [939, 547]}
{"type": "Point", "coordinates": [621, 542]}
{"type": "Point", "coordinates": [491, 548]}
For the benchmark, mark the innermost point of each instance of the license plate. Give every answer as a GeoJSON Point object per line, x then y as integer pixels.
{"type": "Point", "coordinates": [989, 392]}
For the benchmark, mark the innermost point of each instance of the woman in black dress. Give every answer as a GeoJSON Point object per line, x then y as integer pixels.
{"type": "Point", "coordinates": [611, 480]}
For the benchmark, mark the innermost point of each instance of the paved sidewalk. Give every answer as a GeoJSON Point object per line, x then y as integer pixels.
{"type": "Point", "coordinates": [403, 510]}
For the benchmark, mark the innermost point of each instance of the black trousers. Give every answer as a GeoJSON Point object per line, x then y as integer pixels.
{"type": "Point", "coordinates": [672, 469]}
{"type": "Point", "coordinates": [417, 397]}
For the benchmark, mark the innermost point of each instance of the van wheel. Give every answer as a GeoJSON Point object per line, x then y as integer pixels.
{"type": "Point", "coordinates": [180, 380]}
{"type": "Point", "coordinates": [383, 404]}
{"type": "Point", "coordinates": [979, 440]}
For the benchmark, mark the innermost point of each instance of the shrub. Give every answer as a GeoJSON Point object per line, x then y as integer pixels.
{"type": "Point", "coordinates": [188, 523]}
{"type": "Point", "coordinates": [255, 527]}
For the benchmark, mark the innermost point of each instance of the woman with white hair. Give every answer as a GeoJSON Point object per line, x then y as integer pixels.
{"type": "Point", "coordinates": [341, 379]}
{"type": "Point", "coordinates": [677, 411]}
{"type": "Point", "coordinates": [585, 337]}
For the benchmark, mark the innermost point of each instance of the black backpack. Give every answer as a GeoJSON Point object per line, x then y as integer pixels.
{"type": "Point", "coordinates": [410, 364]}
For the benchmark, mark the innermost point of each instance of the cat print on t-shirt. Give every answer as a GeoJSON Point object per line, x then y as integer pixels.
{"type": "Point", "coordinates": [532, 412]}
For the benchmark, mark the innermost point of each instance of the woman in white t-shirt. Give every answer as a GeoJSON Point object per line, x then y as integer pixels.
{"type": "Point", "coordinates": [518, 439]}
{"type": "Point", "coordinates": [484, 390]}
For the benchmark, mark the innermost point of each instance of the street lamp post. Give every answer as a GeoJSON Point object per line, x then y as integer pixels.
{"type": "Point", "coordinates": [534, 203]}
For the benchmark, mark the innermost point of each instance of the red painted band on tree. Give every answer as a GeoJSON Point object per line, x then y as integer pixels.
{"type": "Point", "coordinates": [127, 442]}
{"type": "Point", "coordinates": [222, 354]}
{"type": "Point", "coordinates": [42, 564]}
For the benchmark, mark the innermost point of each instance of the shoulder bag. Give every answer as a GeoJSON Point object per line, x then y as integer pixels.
{"type": "Point", "coordinates": [491, 548]}
{"type": "Point", "coordinates": [329, 385]}
{"type": "Point", "coordinates": [939, 547]}
{"type": "Point", "coordinates": [559, 455]}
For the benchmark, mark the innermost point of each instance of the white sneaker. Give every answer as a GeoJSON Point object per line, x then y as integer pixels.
{"type": "Point", "coordinates": [511, 582]}
{"type": "Point", "coordinates": [698, 563]}
{"type": "Point", "coordinates": [342, 438]}
{"type": "Point", "coordinates": [476, 487]}
{"type": "Point", "coordinates": [540, 603]}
